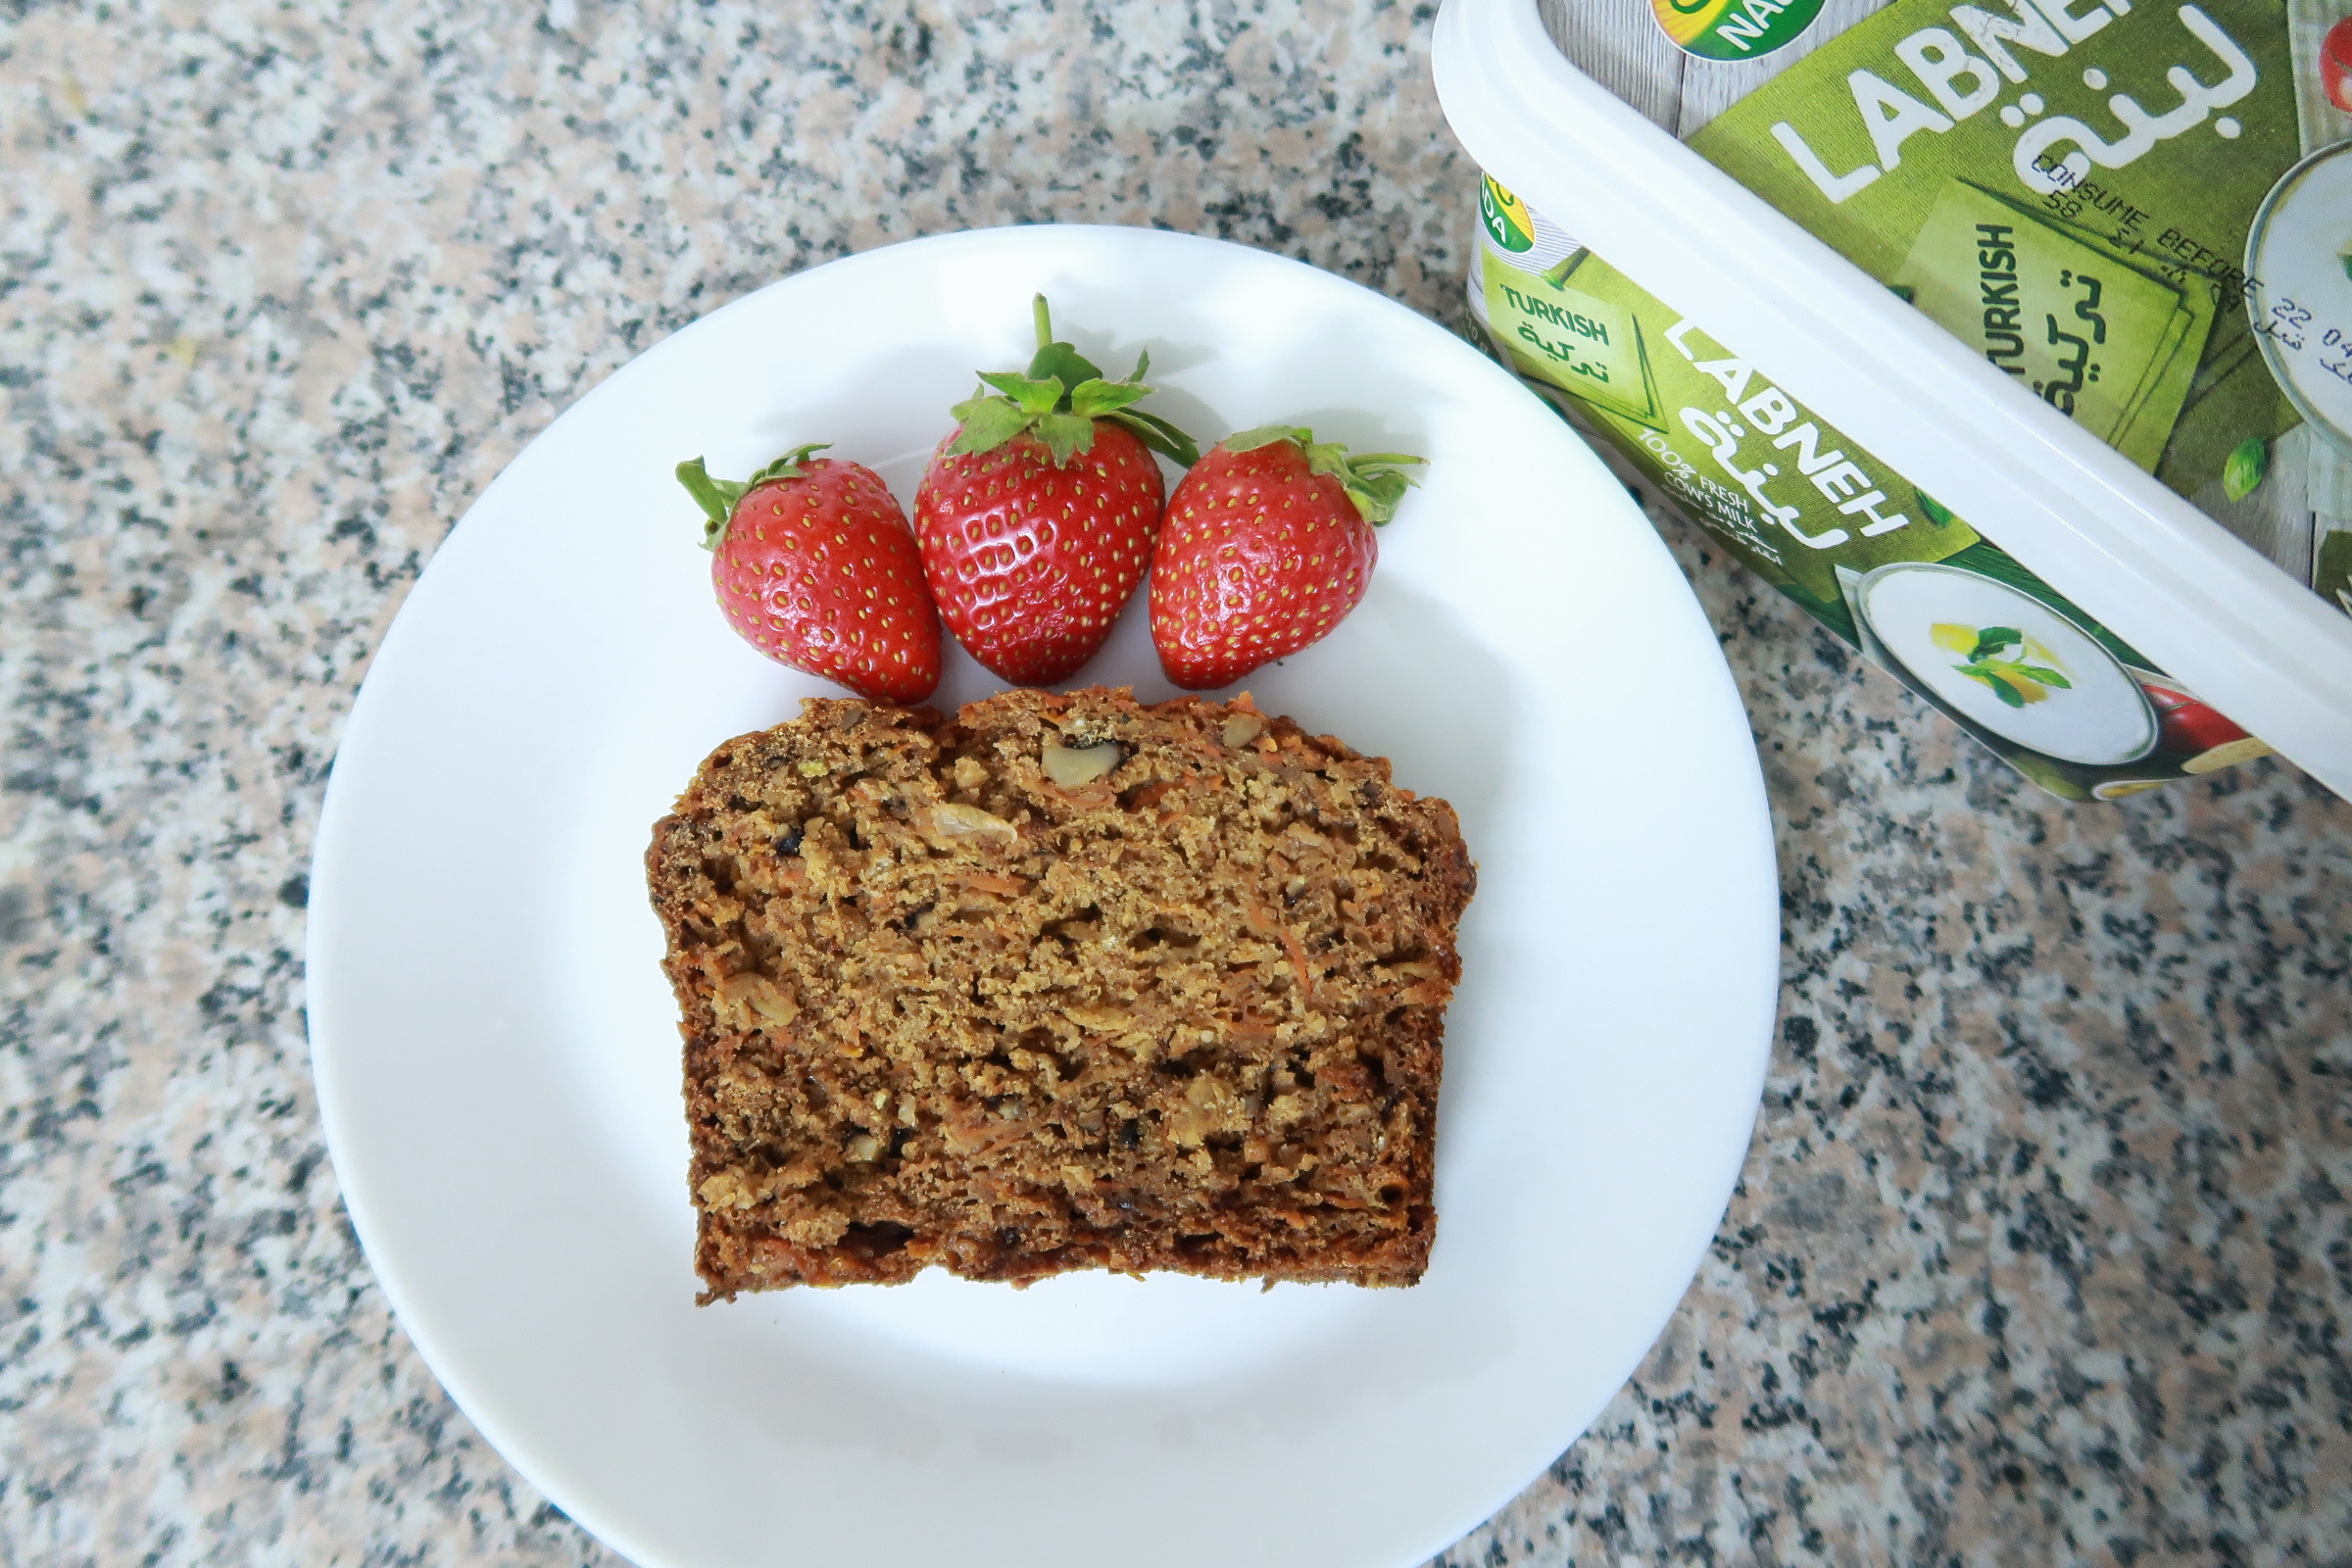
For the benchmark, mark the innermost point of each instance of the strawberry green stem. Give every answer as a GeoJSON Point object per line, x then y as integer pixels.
{"type": "Point", "coordinates": [1374, 480]}
{"type": "Point", "coordinates": [1058, 402]}
{"type": "Point", "coordinates": [719, 498]}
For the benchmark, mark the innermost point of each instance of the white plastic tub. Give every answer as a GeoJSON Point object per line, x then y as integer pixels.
{"type": "Point", "coordinates": [2210, 614]}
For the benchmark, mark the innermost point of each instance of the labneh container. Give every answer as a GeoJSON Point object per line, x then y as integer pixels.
{"type": "Point", "coordinates": [2011, 339]}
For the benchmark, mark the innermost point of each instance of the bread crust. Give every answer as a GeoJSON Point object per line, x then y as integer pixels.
{"type": "Point", "coordinates": [941, 1009]}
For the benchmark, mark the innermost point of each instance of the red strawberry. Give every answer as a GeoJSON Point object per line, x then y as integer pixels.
{"type": "Point", "coordinates": [1034, 518]}
{"type": "Point", "coordinates": [815, 567]}
{"type": "Point", "coordinates": [1266, 546]}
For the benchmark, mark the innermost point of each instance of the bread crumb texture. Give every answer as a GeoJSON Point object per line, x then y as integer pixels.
{"type": "Point", "coordinates": [1062, 981]}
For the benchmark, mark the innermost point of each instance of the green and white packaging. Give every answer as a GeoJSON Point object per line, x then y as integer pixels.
{"type": "Point", "coordinates": [2129, 209]}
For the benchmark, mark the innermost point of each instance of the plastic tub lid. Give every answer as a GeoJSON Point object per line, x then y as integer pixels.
{"type": "Point", "coordinates": [2165, 577]}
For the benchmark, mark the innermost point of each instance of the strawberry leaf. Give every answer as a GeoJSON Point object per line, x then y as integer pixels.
{"type": "Point", "coordinates": [987, 423]}
{"type": "Point", "coordinates": [787, 467]}
{"type": "Point", "coordinates": [716, 498]}
{"type": "Point", "coordinates": [1158, 434]}
{"type": "Point", "coordinates": [1061, 363]}
{"type": "Point", "coordinates": [719, 496]}
{"type": "Point", "coordinates": [1093, 399]}
{"type": "Point", "coordinates": [1375, 481]}
{"type": "Point", "coordinates": [1030, 396]}
{"type": "Point", "coordinates": [1065, 435]}
{"type": "Point", "coordinates": [1265, 435]}
{"type": "Point", "coordinates": [1376, 495]}
{"type": "Point", "coordinates": [1058, 402]}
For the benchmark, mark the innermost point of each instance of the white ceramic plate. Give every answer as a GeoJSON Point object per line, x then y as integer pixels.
{"type": "Point", "coordinates": [497, 1055]}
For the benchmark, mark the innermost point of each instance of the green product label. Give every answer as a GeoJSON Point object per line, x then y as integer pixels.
{"type": "Point", "coordinates": [1883, 564]}
{"type": "Point", "coordinates": [2067, 187]}
{"type": "Point", "coordinates": [1791, 496]}
{"type": "Point", "coordinates": [1734, 29]}
{"type": "Point", "coordinates": [2088, 331]}
{"type": "Point", "coordinates": [1582, 344]}
{"type": "Point", "coordinates": [1508, 222]}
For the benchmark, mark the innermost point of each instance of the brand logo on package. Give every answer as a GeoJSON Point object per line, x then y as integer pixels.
{"type": "Point", "coordinates": [1509, 222]}
{"type": "Point", "coordinates": [1734, 29]}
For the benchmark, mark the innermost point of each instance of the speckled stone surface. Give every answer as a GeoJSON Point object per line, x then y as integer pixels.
{"type": "Point", "coordinates": [2044, 1250]}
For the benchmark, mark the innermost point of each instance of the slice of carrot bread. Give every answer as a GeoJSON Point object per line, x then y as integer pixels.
{"type": "Point", "coordinates": [1062, 981]}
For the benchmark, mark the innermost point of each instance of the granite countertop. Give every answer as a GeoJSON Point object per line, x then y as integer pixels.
{"type": "Point", "coordinates": [2043, 1249]}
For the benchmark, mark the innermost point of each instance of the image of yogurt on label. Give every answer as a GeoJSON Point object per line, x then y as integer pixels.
{"type": "Point", "coordinates": [2006, 660]}
{"type": "Point", "coordinates": [2299, 257]}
